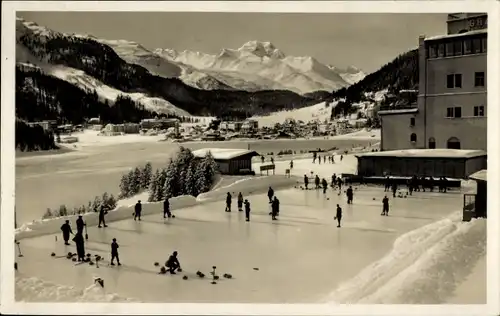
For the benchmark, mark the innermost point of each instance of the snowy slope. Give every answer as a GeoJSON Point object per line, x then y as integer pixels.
{"type": "Point", "coordinates": [268, 66]}
{"type": "Point", "coordinates": [315, 112]}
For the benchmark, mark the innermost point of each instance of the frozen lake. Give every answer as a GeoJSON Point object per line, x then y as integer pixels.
{"type": "Point", "coordinates": [303, 257]}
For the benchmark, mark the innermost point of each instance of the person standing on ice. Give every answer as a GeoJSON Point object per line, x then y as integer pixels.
{"type": "Point", "coordinates": [339, 183]}
{"type": "Point", "coordinates": [102, 220]}
{"type": "Point", "coordinates": [387, 184]}
{"type": "Point", "coordinates": [324, 183]}
{"type": "Point", "coordinates": [80, 246]}
{"type": "Point", "coordinates": [80, 224]}
{"type": "Point", "coordinates": [338, 215]}
{"type": "Point", "coordinates": [314, 156]}
{"type": "Point", "coordinates": [262, 159]}
{"type": "Point", "coordinates": [349, 194]}
{"type": "Point", "coordinates": [394, 188]}
{"type": "Point", "coordinates": [137, 210]}
{"type": "Point", "coordinates": [66, 231]}
{"type": "Point", "coordinates": [228, 202]}
{"type": "Point", "coordinates": [319, 159]}
{"type": "Point", "coordinates": [334, 180]}
{"type": "Point", "coordinates": [324, 159]}
{"type": "Point", "coordinates": [385, 206]}
{"type": "Point", "coordinates": [275, 208]}
{"type": "Point", "coordinates": [306, 181]}
{"type": "Point", "coordinates": [272, 160]}
{"type": "Point", "coordinates": [291, 164]}
{"type": "Point", "coordinates": [316, 181]}
{"type": "Point", "coordinates": [166, 208]}
{"type": "Point", "coordinates": [172, 263]}
{"type": "Point", "coordinates": [114, 252]}
{"type": "Point", "coordinates": [341, 157]}
{"type": "Point", "coordinates": [240, 202]}
{"type": "Point", "coordinates": [247, 210]}
{"type": "Point", "coordinates": [270, 194]}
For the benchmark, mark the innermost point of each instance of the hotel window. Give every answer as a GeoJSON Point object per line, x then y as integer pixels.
{"type": "Point", "coordinates": [412, 121]}
{"type": "Point", "coordinates": [457, 47]}
{"type": "Point", "coordinates": [449, 49]}
{"type": "Point", "coordinates": [454, 81]}
{"type": "Point", "coordinates": [433, 51]}
{"type": "Point", "coordinates": [441, 50]}
{"type": "Point", "coordinates": [479, 110]}
{"type": "Point", "coordinates": [476, 46]}
{"type": "Point", "coordinates": [454, 112]}
{"type": "Point", "coordinates": [413, 138]}
{"type": "Point", "coordinates": [485, 44]}
{"type": "Point", "coordinates": [467, 46]}
{"type": "Point", "coordinates": [479, 79]}
{"type": "Point", "coordinates": [432, 143]}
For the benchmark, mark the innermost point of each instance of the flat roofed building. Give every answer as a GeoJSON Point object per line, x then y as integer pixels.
{"type": "Point", "coordinates": [451, 107]}
{"type": "Point", "coordinates": [229, 161]}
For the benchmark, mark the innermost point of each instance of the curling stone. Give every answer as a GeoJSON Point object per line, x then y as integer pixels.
{"type": "Point", "coordinates": [163, 270]}
{"type": "Point", "coordinates": [88, 255]}
{"type": "Point", "coordinates": [53, 254]}
{"type": "Point", "coordinates": [70, 254]}
{"type": "Point", "coordinates": [328, 199]}
{"type": "Point", "coordinates": [374, 199]}
{"type": "Point", "coordinates": [97, 258]}
{"type": "Point", "coordinates": [74, 259]}
{"type": "Point", "coordinates": [216, 277]}
{"type": "Point", "coordinates": [87, 259]}
{"type": "Point", "coordinates": [185, 277]}
{"type": "Point", "coordinates": [256, 269]}
{"type": "Point", "coordinates": [406, 196]}
{"type": "Point", "coordinates": [173, 216]}
{"type": "Point", "coordinates": [228, 276]}
{"type": "Point", "coordinates": [91, 263]}
{"type": "Point", "coordinates": [69, 257]}
{"type": "Point", "coordinates": [156, 264]}
{"type": "Point", "coordinates": [180, 270]}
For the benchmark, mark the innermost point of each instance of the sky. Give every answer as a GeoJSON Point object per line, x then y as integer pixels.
{"type": "Point", "coordinates": [364, 40]}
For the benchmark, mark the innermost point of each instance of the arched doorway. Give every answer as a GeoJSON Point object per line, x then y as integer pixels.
{"type": "Point", "coordinates": [453, 143]}
{"type": "Point", "coordinates": [413, 138]}
{"type": "Point", "coordinates": [432, 143]}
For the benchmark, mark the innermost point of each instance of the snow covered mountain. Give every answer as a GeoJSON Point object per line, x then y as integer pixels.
{"type": "Point", "coordinates": [266, 67]}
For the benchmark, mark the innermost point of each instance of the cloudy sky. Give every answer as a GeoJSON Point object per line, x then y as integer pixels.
{"type": "Point", "coordinates": [364, 40]}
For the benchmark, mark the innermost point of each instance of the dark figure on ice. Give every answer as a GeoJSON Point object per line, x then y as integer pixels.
{"type": "Point", "coordinates": [114, 253]}
{"type": "Point", "coordinates": [270, 194]}
{"type": "Point", "coordinates": [291, 164]}
{"type": "Point", "coordinates": [166, 208]}
{"type": "Point", "coordinates": [262, 159]}
{"type": "Point", "coordinates": [240, 202]}
{"type": "Point", "coordinates": [341, 157]}
{"type": "Point", "coordinates": [338, 215]}
{"type": "Point", "coordinates": [275, 208]}
{"type": "Point", "coordinates": [423, 183]}
{"type": "Point", "coordinates": [410, 186]}
{"type": "Point", "coordinates": [394, 188]}
{"type": "Point", "coordinates": [324, 159]}
{"type": "Point", "coordinates": [80, 246]}
{"type": "Point", "coordinates": [431, 184]}
{"type": "Point", "coordinates": [387, 186]}
{"type": "Point", "coordinates": [314, 156]}
{"type": "Point", "coordinates": [66, 231]}
{"type": "Point", "coordinates": [334, 180]}
{"type": "Point", "coordinates": [102, 213]}
{"type": "Point", "coordinates": [172, 263]}
{"type": "Point", "coordinates": [339, 184]}
{"type": "Point", "coordinates": [137, 210]}
{"type": "Point", "coordinates": [228, 202]}
{"type": "Point", "coordinates": [80, 224]}
{"type": "Point", "coordinates": [385, 206]}
{"type": "Point", "coordinates": [414, 182]}
{"type": "Point", "coordinates": [316, 181]}
{"type": "Point", "coordinates": [324, 183]}
{"type": "Point", "coordinates": [247, 210]}
{"type": "Point", "coordinates": [306, 181]}
{"type": "Point", "coordinates": [272, 160]}
{"type": "Point", "coordinates": [319, 159]}
{"type": "Point", "coordinates": [349, 194]}
{"type": "Point", "coordinates": [443, 184]}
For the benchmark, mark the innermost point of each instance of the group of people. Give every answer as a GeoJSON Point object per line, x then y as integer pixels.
{"type": "Point", "coordinates": [416, 183]}
{"type": "Point", "coordinates": [331, 158]}
{"type": "Point", "coordinates": [240, 203]}
{"type": "Point", "coordinates": [79, 239]}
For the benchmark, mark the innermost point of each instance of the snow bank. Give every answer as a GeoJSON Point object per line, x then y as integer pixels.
{"type": "Point", "coordinates": [249, 186]}
{"type": "Point", "coordinates": [36, 290]}
{"type": "Point", "coordinates": [424, 266]}
{"type": "Point", "coordinates": [90, 138]}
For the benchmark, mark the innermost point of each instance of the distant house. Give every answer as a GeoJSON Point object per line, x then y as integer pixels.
{"type": "Point", "coordinates": [230, 161]}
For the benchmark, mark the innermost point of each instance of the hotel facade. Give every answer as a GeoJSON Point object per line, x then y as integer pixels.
{"type": "Point", "coordinates": [451, 106]}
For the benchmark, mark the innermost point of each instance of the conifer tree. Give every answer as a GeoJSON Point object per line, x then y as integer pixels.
{"type": "Point", "coordinates": [153, 184]}
{"type": "Point", "coordinates": [146, 175]}
{"type": "Point", "coordinates": [171, 183]}
{"type": "Point", "coordinates": [124, 186]}
{"type": "Point", "coordinates": [137, 180]}
{"type": "Point", "coordinates": [131, 183]}
{"type": "Point", "coordinates": [190, 179]}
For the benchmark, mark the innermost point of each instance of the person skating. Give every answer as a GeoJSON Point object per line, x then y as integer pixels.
{"type": "Point", "coordinates": [137, 210]}
{"type": "Point", "coordinates": [431, 184]}
{"type": "Point", "coordinates": [387, 184]}
{"type": "Point", "coordinates": [324, 159]}
{"type": "Point", "coordinates": [338, 215]}
{"type": "Point", "coordinates": [166, 208]}
{"type": "Point", "coordinates": [272, 160]}
{"type": "Point", "coordinates": [66, 231]}
{"type": "Point", "coordinates": [319, 159]}
{"type": "Point", "coordinates": [394, 188]}
{"type": "Point", "coordinates": [341, 157]}
{"type": "Point", "coordinates": [102, 214]}
{"type": "Point", "coordinates": [410, 186]}
{"type": "Point", "coordinates": [349, 194]}
{"type": "Point", "coordinates": [339, 184]}
{"type": "Point", "coordinates": [80, 246]}
{"type": "Point", "coordinates": [334, 180]}
{"type": "Point", "coordinates": [114, 252]}
{"type": "Point", "coordinates": [314, 156]}
{"type": "Point", "coordinates": [306, 181]}
{"type": "Point", "coordinates": [247, 210]}
{"type": "Point", "coordinates": [80, 224]}
{"type": "Point", "coordinates": [228, 202]}
{"type": "Point", "coordinates": [240, 202]}
{"type": "Point", "coordinates": [291, 164]}
{"type": "Point", "coordinates": [270, 194]}
{"type": "Point", "coordinates": [275, 206]}
{"type": "Point", "coordinates": [262, 159]}
{"type": "Point", "coordinates": [385, 206]}
{"type": "Point", "coordinates": [172, 263]}
{"type": "Point", "coordinates": [316, 182]}
{"type": "Point", "coordinates": [324, 183]}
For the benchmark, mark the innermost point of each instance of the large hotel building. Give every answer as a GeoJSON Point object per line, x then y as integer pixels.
{"type": "Point", "coordinates": [451, 106]}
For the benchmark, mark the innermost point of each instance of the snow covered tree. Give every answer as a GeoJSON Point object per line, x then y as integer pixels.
{"type": "Point", "coordinates": [146, 174]}
{"type": "Point", "coordinates": [131, 183]}
{"type": "Point", "coordinates": [153, 186]}
{"type": "Point", "coordinates": [171, 182]}
{"type": "Point", "coordinates": [207, 170]}
{"type": "Point", "coordinates": [190, 179]}
{"type": "Point", "coordinates": [96, 204]}
{"type": "Point", "coordinates": [124, 186]}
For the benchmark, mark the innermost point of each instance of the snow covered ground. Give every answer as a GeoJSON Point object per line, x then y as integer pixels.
{"type": "Point", "coordinates": [315, 112]}
{"type": "Point", "coordinates": [421, 253]}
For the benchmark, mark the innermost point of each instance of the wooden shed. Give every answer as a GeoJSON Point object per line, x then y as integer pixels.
{"type": "Point", "coordinates": [475, 205]}
{"type": "Point", "coordinates": [230, 161]}
{"type": "Point", "coordinates": [450, 163]}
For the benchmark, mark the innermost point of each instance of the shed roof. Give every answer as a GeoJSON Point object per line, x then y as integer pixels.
{"type": "Point", "coordinates": [474, 32]}
{"type": "Point", "coordinates": [426, 153]}
{"type": "Point", "coordinates": [223, 153]}
{"type": "Point", "coordinates": [398, 111]}
{"type": "Point", "coordinates": [481, 175]}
